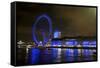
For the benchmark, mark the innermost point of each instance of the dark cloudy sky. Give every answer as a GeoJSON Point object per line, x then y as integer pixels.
{"type": "Point", "coordinates": [70, 20]}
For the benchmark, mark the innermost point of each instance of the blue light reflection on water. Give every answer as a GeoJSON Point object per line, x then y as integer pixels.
{"type": "Point", "coordinates": [86, 52]}
{"type": "Point", "coordinates": [34, 56]}
{"type": "Point", "coordinates": [56, 51]}
{"type": "Point", "coordinates": [46, 56]}
{"type": "Point", "coordinates": [71, 52]}
{"type": "Point", "coordinates": [37, 56]}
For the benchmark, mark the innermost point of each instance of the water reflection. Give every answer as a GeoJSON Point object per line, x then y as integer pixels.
{"type": "Point", "coordinates": [34, 56]}
{"type": "Point", "coordinates": [53, 55]}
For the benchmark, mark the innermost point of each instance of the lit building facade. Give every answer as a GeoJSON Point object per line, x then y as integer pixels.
{"type": "Point", "coordinates": [57, 34]}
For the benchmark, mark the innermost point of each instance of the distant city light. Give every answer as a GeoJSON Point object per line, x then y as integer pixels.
{"type": "Point", "coordinates": [56, 43]}
{"type": "Point", "coordinates": [71, 42]}
{"type": "Point", "coordinates": [93, 43]}
{"type": "Point", "coordinates": [57, 34]}
{"type": "Point", "coordinates": [20, 42]}
{"type": "Point", "coordinates": [85, 43]}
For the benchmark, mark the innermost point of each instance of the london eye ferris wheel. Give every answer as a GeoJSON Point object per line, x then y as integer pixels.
{"type": "Point", "coordinates": [42, 29]}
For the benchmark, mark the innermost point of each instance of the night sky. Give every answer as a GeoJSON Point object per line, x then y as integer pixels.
{"type": "Point", "coordinates": [70, 20]}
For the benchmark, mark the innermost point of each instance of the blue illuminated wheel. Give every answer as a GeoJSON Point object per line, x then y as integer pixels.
{"type": "Point", "coordinates": [42, 28]}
